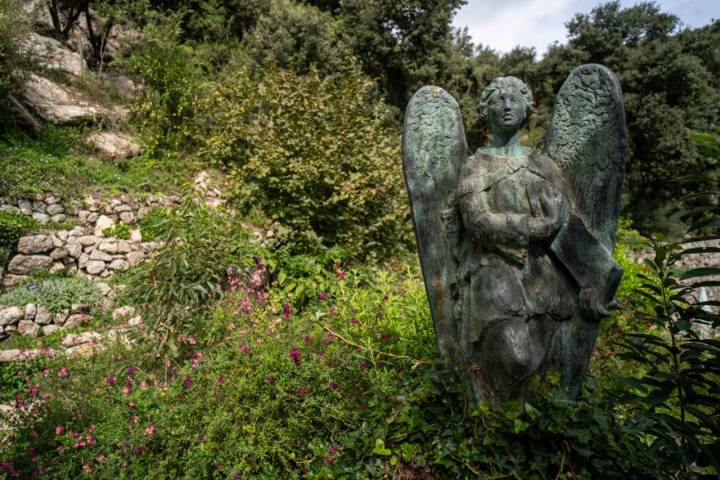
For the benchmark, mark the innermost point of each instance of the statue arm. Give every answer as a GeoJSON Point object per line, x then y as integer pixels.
{"type": "Point", "coordinates": [550, 211]}
{"type": "Point", "coordinates": [492, 228]}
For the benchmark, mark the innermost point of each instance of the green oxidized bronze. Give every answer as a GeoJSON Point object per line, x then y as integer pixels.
{"type": "Point", "coordinates": [516, 246]}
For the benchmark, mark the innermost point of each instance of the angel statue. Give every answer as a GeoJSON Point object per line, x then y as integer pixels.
{"type": "Point", "coordinates": [516, 245]}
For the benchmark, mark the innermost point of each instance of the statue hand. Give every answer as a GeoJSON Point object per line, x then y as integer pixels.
{"type": "Point", "coordinates": [592, 306]}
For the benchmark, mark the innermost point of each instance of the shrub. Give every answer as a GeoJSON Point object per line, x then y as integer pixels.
{"type": "Point", "coordinates": [12, 226]}
{"type": "Point", "coordinates": [152, 224]}
{"type": "Point", "coordinates": [121, 231]}
{"type": "Point", "coordinates": [14, 27]}
{"type": "Point", "coordinates": [313, 154]}
{"type": "Point", "coordinates": [56, 293]}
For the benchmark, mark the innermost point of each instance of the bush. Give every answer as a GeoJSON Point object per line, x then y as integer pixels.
{"type": "Point", "coordinates": [14, 27]}
{"type": "Point", "coordinates": [56, 293]}
{"type": "Point", "coordinates": [12, 226]}
{"type": "Point", "coordinates": [313, 154]}
{"type": "Point", "coordinates": [121, 231]}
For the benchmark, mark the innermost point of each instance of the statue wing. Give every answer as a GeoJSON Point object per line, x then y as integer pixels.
{"type": "Point", "coordinates": [433, 147]}
{"type": "Point", "coordinates": [587, 138]}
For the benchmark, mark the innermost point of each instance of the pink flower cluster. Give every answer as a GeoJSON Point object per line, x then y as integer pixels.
{"type": "Point", "coordinates": [295, 356]}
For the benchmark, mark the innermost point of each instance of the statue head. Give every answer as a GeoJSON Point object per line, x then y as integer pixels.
{"type": "Point", "coordinates": [506, 103]}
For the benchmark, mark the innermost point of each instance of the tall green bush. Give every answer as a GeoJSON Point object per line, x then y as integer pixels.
{"type": "Point", "coordinates": [315, 155]}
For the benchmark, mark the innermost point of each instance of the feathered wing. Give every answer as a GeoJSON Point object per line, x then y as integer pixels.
{"type": "Point", "coordinates": [433, 146]}
{"type": "Point", "coordinates": [587, 138]}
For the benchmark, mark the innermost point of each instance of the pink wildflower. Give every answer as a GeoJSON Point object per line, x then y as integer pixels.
{"type": "Point", "coordinates": [295, 356]}
{"type": "Point", "coordinates": [340, 274]}
{"type": "Point", "coordinates": [59, 430]}
{"type": "Point", "coordinates": [64, 372]}
{"type": "Point", "coordinates": [322, 297]}
{"type": "Point", "coordinates": [333, 386]}
{"type": "Point", "coordinates": [286, 311]}
{"type": "Point", "coordinates": [302, 391]}
{"type": "Point", "coordinates": [307, 339]}
{"type": "Point", "coordinates": [111, 380]}
{"type": "Point", "coordinates": [269, 378]}
{"type": "Point", "coordinates": [150, 430]}
{"type": "Point", "coordinates": [245, 348]}
{"type": "Point", "coordinates": [126, 387]}
{"type": "Point", "coordinates": [132, 371]}
{"type": "Point", "coordinates": [87, 468]}
{"type": "Point", "coordinates": [221, 380]}
{"type": "Point", "coordinates": [187, 383]}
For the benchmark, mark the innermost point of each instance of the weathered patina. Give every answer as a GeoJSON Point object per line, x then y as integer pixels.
{"type": "Point", "coordinates": [516, 246]}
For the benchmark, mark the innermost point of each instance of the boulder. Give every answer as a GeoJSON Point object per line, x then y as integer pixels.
{"type": "Point", "coordinates": [123, 312]}
{"type": "Point", "coordinates": [27, 264]}
{"type": "Point", "coordinates": [51, 54]}
{"type": "Point", "coordinates": [127, 218]}
{"type": "Point", "coordinates": [114, 144]}
{"type": "Point", "coordinates": [9, 280]}
{"type": "Point", "coordinates": [79, 338]}
{"type": "Point", "coordinates": [60, 104]}
{"type": "Point", "coordinates": [58, 253]}
{"type": "Point", "coordinates": [119, 264]}
{"type": "Point", "coordinates": [35, 244]}
{"type": "Point", "coordinates": [10, 355]}
{"type": "Point", "coordinates": [134, 258]}
{"type": "Point", "coordinates": [88, 240]}
{"type": "Point", "coordinates": [103, 223]}
{"type": "Point", "coordinates": [77, 320]}
{"type": "Point", "coordinates": [108, 246]}
{"type": "Point", "coordinates": [43, 315]}
{"type": "Point", "coordinates": [42, 218]}
{"type": "Point", "coordinates": [11, 315]}
{"type": "Point", "coordinates": [50, 329]}
{"type": "Point", "coordinates": [104, 288]}
{"type": "Point", "coordinates": [30, 311]}
{"type": "Point", "coordinates": [100, 255]}
{"type": "Point", "coordinates": [95, 267]}
{"type": "Point", "coordinates": [74, 249]}
{"type": "Point", "coordinates": [28, 328]}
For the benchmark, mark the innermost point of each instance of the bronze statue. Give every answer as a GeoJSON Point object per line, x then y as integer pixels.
{"type": "Point", "coordinates": [516, 246]}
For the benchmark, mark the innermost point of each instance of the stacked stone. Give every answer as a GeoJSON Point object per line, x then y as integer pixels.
{"type": "Point", "coordinates": [48, 208]}
{"type": "Point", "coordinates": [78, 251]}
{"type": "Point", "coordinates": [32, 320]}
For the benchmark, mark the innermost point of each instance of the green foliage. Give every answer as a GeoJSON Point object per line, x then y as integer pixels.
{"type": "Point", "coordinates": [32, 166]}
{"type": "Point", "coordinates": [173, 76]}
{"type": "Point", "coordinates": [152, 225]}
{"type": "Point", "coordinates": [13, 29]}
{"type": "Point", "coordinates": [12, 226]}
{"type": "Point", "coordinates": [180, 282]}
{"type": "Point", "coordinates": [313, 154]}
{"type": "Point", "coordinates": [121, 231]}
{"type": "Point", "coordinates": [56, 293]}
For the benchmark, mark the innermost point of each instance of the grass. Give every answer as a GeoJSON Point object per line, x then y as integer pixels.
{"type": "Point", "coordinates": [60, 162]}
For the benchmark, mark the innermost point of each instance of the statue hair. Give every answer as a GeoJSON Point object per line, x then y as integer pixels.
{"type": "Point", "coordinates": [496, 85]}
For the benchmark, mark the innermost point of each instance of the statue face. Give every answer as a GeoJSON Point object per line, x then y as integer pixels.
{"type": "Point", "coordinates": [507, 109]}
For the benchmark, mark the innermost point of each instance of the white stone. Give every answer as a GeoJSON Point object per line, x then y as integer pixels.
{"type": "Point", "coordinates": [76, 232]}
{"type": "Point", "coordinates": [62, 235]}
{"type": "Point", "coordinates": [135, 236]}
{"type": "Point", "coordinates": [57, 267]}
{"type": "Point", "coordinates": [114, 144]}
{"type": "Point", "coordinates": [27, 264]}
{"type": "Point", "coordinates": [95, 267]}
{"type": "Point", "coordinates": [92, 218]}
{"type": "Point", "coordinates": [88, 240]}
{"type": "Point", "coordinates": [10, 355]}
{"type": "Point", "coordinates": [134, 258]}
{"type": "Point", "coordinates": [51, 54]}
{"type": "Point", "coordinates": [25, 207]}
{"type": "Point", "coordinates": [76, 320]}
{"type": "Point", "coordinates": [11, 315]}
{"type": "Point", "coordinates": [104, 288]}
{"type": "Point", "coordinates": [79, 308]}
{"type": "Point", "coordinates": [9, 280]}
{"type": "Point", "coordinates": [100, 255]}
{"type": "Point", "coordinates": [43, 315]}
{"type": "Point", "coordinates": [79, 338]}
{"type": "Point", "coordinates": [59, 218]}
{"type": "Point", "coordinates": [38, 207]}
{"type": "Point", "coordinates": [61, 317]}
{"type": "Point", "coordinates": [127, 217]}
{"type": "Point", "coordinates": [50, 329]}
{"type": "Point", "coordinates": [57, 243]}
{"type": "Point", "coordinates": [41, 217]}
{"type": "Point", "coordinates": [35, 244]}
{"type": "Point", "coordinates": [83, 260]}
{"type": "Point", "coordinates": [108, 246]}
{"type": "Point", "coordinates": [58, 254]}
{"type": "Point", "coordinates": [30, 311]}
{"type": "Point", "coordinates": [54, 209]}
{"type": "Point", "coordinates": [124, 246]}
{"type": "Point", "coordinates": [83, 215]}
{"type": "Point", "coordinates": [28, 328]}
{"type": "Point", "coordinates": [74, 249]}
{"type": "Point", "coordinates": [103, 223]}
{"type": "Point", "coordinates": [60, 104]}
{"type": "Point", "coordinates": [119, 264]}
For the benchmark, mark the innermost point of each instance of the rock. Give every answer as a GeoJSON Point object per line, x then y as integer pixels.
{"type": "Point", "coordinates": [35, 244]}
{"type": "Point", "coordinates": [54, 209]}
{"type": "Point", "coordinates": [43, 315]}
{"type": "Point", "coordinates": [74, 339]}
{"type": "Point", "coordinates": [10, 355]}
{"type": "Point", "coordinates": [122, 312]}
{"type": "Point", "coordinates": [123, 85]}
{"type": "Point", "coordinates": [59, 218]}
{"type": "Point", "coordinates": [84, 350]}
{"type": "Point", "coordinates": [124, 246]}
{"type": "Point", "coordinates": [92, 218]}
{"type": "Point", "coordinates": [88, 240]}
{"type": "Point", "coordinates": [109, 246]}
{"type": "Point", "coordinates": [104, 288]}
{"type": "Point", "coordinates": [135, 321]}
{"type": "Point", "coordinates": [103, 223]}
{"type": "Point", "coordinates": [148, 247]}
{"type": "Point", "coordinates": [95, 267]}
{"type": "Point", "coordinates": [77, 320]}
{"type": "Point", "coordinates": [28, 328]}
{"type": "Point", "coordinates": [114, 145]}
{"type": "Point", "coordinates": [135, 236]}
{"type": "Point", "coordinates": [60, 104]}
{"type": "Point", "coordinates": [58, 254]}
{"type": "Point", "coordinates": [42, 218]}
{"type": "Point", "coordinates": [52, 55]}
{"type": "Point", "coordinates": [50, 329]}
{"type": "Point", "coordinates": [51, 199]}
{"type": "Point", "coordinates": [100, 255]}
{"type": "Point", "coordinates": [74, 249]}
{"type": "Point", "coordinates": [83, 260]}
{"type": "Point", "coordinates": [119, 264]}
{"type": "Point", "coordinates": [38, 207]}
{"type": "Point", "coordinates": [9, 280]}
{"type": "Point", "coordinates": [76, 232]}
{"type": "Point", "coordinates": [61, 318]}
{"type": "Point", "coordinates": [127, 218]}
{"type": "Point", "coordinates": [57, 267]}
{"type": "Point", "coordinates": [27, 264]}
{"type": "Point", "coordinates": [57, 243]}
{"type": "Point", "coordinates": [25, 207]}
{"type": "Point", "coordinates": [134, 258]}
{"type": "Point", "coordinates": [11, 315]}
{"type": "Point", "coordinates": [30, 311]}
{"type": "Point", "coordinates": [83, 215]}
